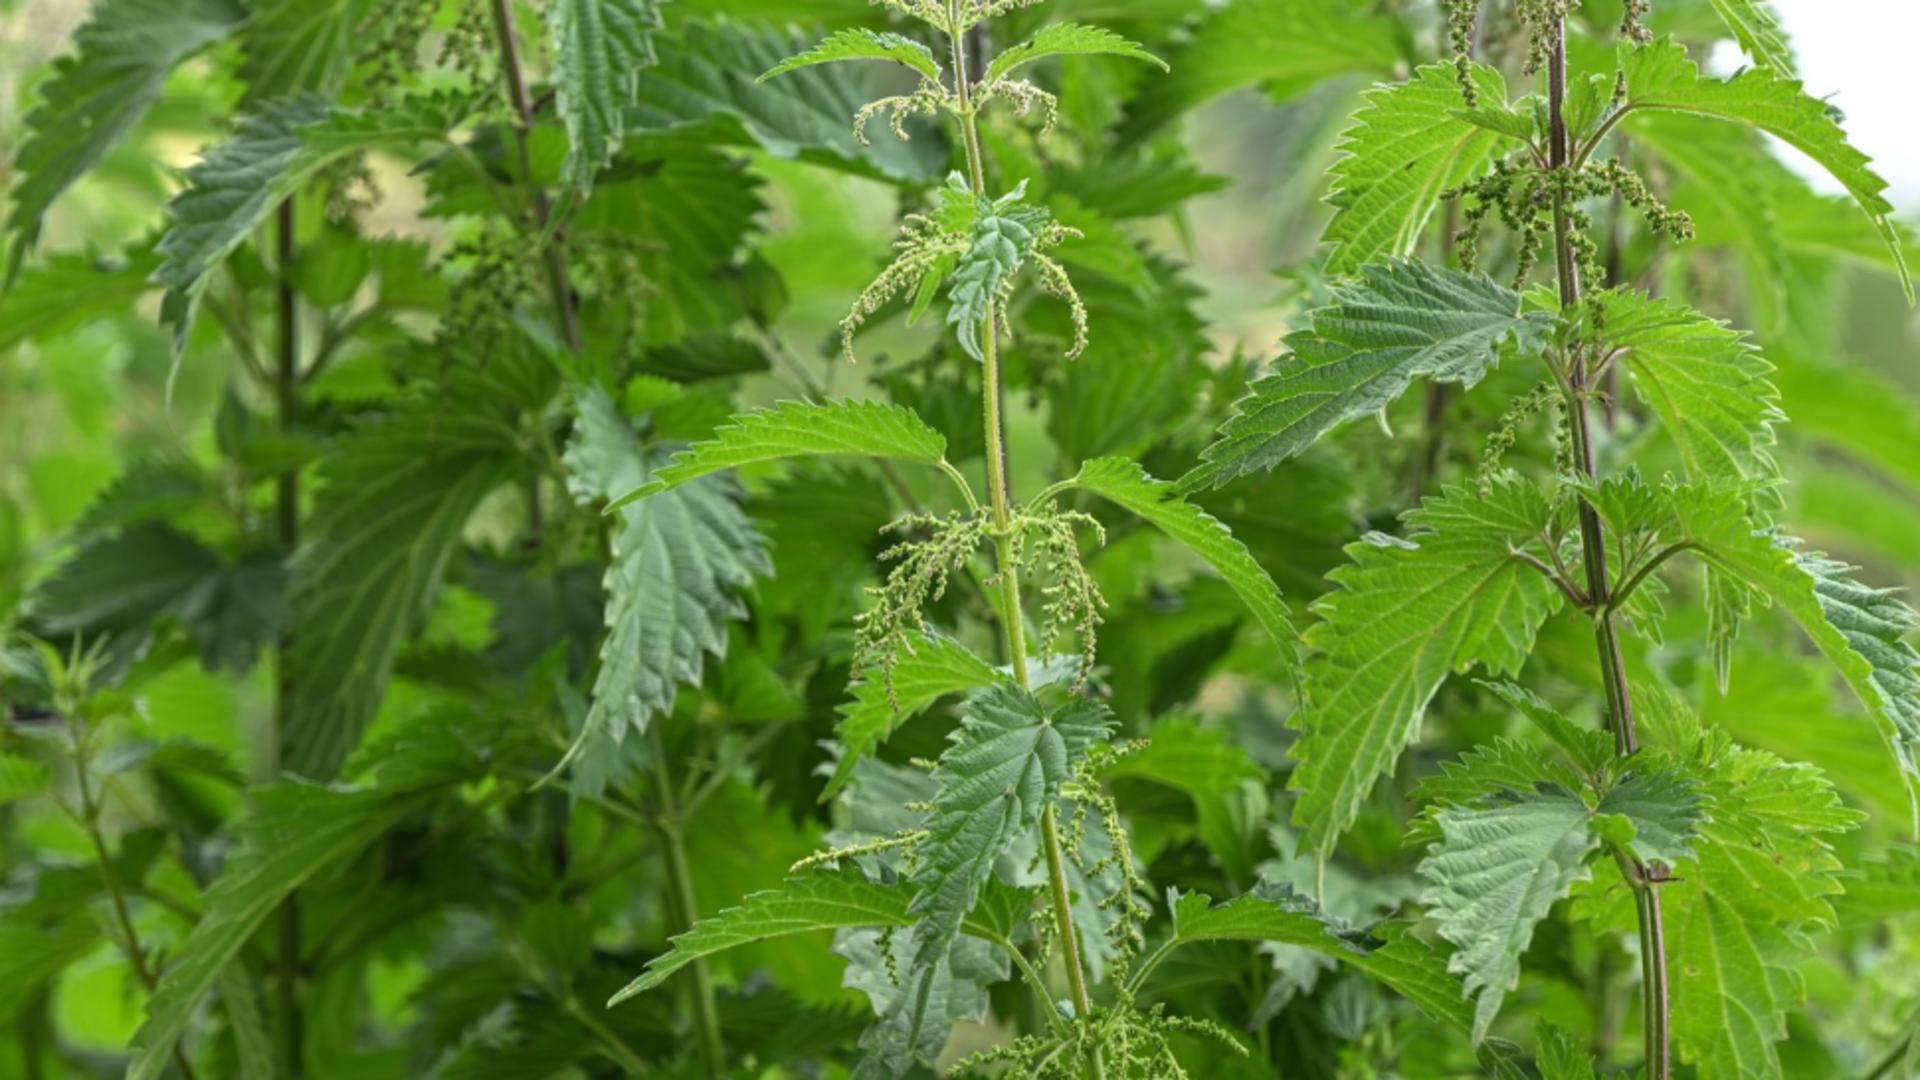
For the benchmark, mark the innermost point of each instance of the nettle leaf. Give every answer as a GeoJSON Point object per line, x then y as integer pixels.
{"type": "Point", "coordinates": [1496, 873]}
{"type": "Point", "coordinates": [1067, 39]}
{"type": "Point", "coordinates": [688, 208]}
{"type": "Point", "coordinates": [703, 80]}
{"type": "Point", "coordinates": [1214, 773]}
{"type": "Point", "coordinates": [1741, 914]}
{"type": "Point", "coordinates": [1707, 383]}
{"type": "Point", "coordinates": [1005, 231]}
{"type": "Point", "coordinates": [292, 833]}
{"type": "Point", "coordinates": [799, 429]}
{"type": "Point", "coordinates": [680, 562]}
{"type": "Point", "coordinates": [599, 48]}
{"type": "Point", "coordinates": [860, 44]}
{"type": "Point", "coordinates": [293, 47]}
{"type": "Point", "coordinates": [1664, 807]}
{"type": "Point", "coordinates": [1862, 631]}
{"type": "Point", "coordinates": [917, 1011]}
{"type": "Point", "coordinates": [1007, 761]}
{"type": "Point", "coordinates": [807, 904]}
{"type": "Point", "coordinates": [1589, 749]}
{"type": "Point", "coordinates": [68, 291]}
{"type": "Point", "coordinates": [1409, 142]}
{"type": "Point", "coordinates": [20, 778]}
{"type": "Point", "coordinates": [1562, 1056]}
{"type": "Point", "coordinates": [931, 668]}
{"type": "Point", "coordinates": [1756, 26]}
{"type": "Point", "coordinates": [1123, 482]}
{"type": "Point", "coordinates": [272, 155]}
{"type": "Point", "coordinates": [1399, 321]}
{"type": "Point", "coordinates": [1662, 77]}
{"type": "Point", "coordinates": [394, 498]}
{"type": "Point", "coordinates": [1273, 913]}
{"type": "Point", "coordinates": [1407, 614]}
{"type": "Point", "coordinates": [1285, 46]}
{"type": "Point", "coordinates": [122, 57]}
{"type": "Point", "coordinates": [1882, 888]}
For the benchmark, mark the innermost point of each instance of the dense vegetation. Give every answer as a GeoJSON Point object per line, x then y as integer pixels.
{"type": "Point", "coordinates": [504, 573]}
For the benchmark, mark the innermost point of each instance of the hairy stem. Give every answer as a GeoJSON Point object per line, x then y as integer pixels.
{"type": "Point", "coordinates": [1011, 621]}
{"type": "Point", "coordinates": [1613, 668]}
{"type": "Point", "coordinates": [558, 280]}
{"type": "Point", "coordinates": [684, 907]}
{"type": "Point", "coordinates": [1005, 565]}
{"type": "Point", "coordinates": [287, 385]}
{"type": "Point", "coordinates": [130, 944]}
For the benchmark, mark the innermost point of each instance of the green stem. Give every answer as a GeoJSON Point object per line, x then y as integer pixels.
{"type": "Point", "coordinates": [1012, 622]}
{"type": "Point", "coordinates": [558, 280]}
{"type": "Point", "coordinates": [110, 876]}
{"type": "Point", "coordinates": [686, 909]}
{"type": "Point", "coordinates": [617, 1047]}
{"type": "Point", "coordinates": [287, 383]}
{"type": "Point", "coordinates": [1613, 668]}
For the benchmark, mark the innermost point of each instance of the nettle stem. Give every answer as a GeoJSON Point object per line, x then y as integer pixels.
{"type": "Point", "coordinates": [287, 387]}
{"type": "Point", "coordinates": [110, 876]}
{"type": "Point", "coordinates": [1613, 668]}
{"type": "Point", "coordinates": [681, 903]}
{"type": "Point", "coordinates": [1011, 621]}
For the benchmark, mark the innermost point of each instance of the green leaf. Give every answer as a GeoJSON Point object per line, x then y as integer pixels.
{"type": "Point", "coordinates": [1201, 763]}
{"type": "Point", "coordinates": [917, 1010]}
{"type": "Point", "coordinates": [1861, 630]}
{"type": "Point", "coordinates": [806, 904]}
{"type": "Point", "coordinates": [293, 47]}
{"type": "Point", "coordinates": [1275, 914]}
{"type": "Point", "coordinates": [1707, 383]}
{"type": "Point", "coordinates": [122, 57]}
{"type": "Point", "coordinates": [1756, 26]}
{"type": "Point", "coordinates": [1407, 614]}
{"type": "Point", "coordinates": [69, 291]}
{"type": "Point", "coordinates": [1408, 143]}
{"type": "Point", "coordinates": [118, 583]}
{"type": "Point", "coordinates": [1661, 77]}
{"type": "Point", "coordinates": [20, 778]}
{"type": "Point", "coordinates": [807, 116]}
{"type": "Point", "coordinates": [1003, 769]}
{"type": "Point", "coordinates": [1285, 46]}
{"type": "Point", "coordinates": [1882, 888]}
{"type": "Point", "coordinates": [1589, 749]}
{"type": "Point", "coordinates": [1561, 1056]}
{"type": "Point", "coordinates": [1665, 808]}
{"type": "Point", "coordinates": [680, 562]}
{"type": "Point", "coordinates": [272, 154]}
{"type": "Point", "coordinates": [1005, 231]}
{"type": "Point", "coordinates": [932, 668]}
{"type": "Point", "coordinates": [394, 499]}
{"type": "Point", "coordinates": [1857, 410]}
{"type": "Point", "coordinates": [688, 210]}
{"type": "Point", "coordinates": [1126, 484]}
{"type": "Point", "coordinates": [860, 44]}
{"type": "Point", "coordinates": [799, 429]}
{"type": "Point", "coordinates": [1497, 871]}
{"type": "Point", "coordinates": [254, 1053]}
{"type": "Point", "coordinates": [293, 833]}
{"type": "Point", "coordinates": [1067, 39]}
{"type": "Point", "coordinates": [1397, 322]}
{"type": "Point", "coordinates": [1740, 916]}
{"type": "Point", "coordinates": [599, 48]}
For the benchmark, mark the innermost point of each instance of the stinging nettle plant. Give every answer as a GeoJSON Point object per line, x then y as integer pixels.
{"type": "Point", "coordinates": [1007, 857]}
{"type": "Point", "coordinates": [1716, 861]}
